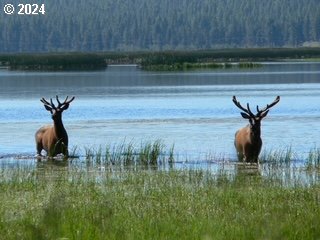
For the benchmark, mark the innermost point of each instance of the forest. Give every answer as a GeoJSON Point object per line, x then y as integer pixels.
{"type": "Point", "coordinates": [134, 25]}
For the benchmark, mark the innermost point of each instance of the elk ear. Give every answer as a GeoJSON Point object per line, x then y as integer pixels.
{"type": "Point", "coordinates": [48, 108]}
{"type": "Point", "coordinates": [264, 114]}
{"type": "Point", "coordinates": [244, 115]}
{"type": "Point", "coordinates": [65, 107]}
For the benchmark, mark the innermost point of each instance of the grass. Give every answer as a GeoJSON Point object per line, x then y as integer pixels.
{"type": "Point", "coordinates": [120, 192]}
{"type": "Point", "coordinates": [194, 66]}
{"type": "Point", "coordinates": [313, 160]}
{"type": "Point", "coordinates": [165, 60]}
{"type": "Point", "coordinates": [54, 61]}
{"type": "Point", "coordinates": [109, 193]}
{"type": "Point", "coordinates": [278, 156]}
{"type": "Point", "coordinates": [47, 203]}
{"type": "Point", "coordinates": [145, 154]}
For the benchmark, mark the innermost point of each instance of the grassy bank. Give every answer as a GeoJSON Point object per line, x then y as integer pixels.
{"type": "Point", "coordinates": [153, 60]}
{"type": "Point", "coordinates": [54, 62]}
{"type": "Point", "coordinates": [188, 204]}
{"type": "Point", "coordinates": [122, 192]}
{"type": "Point", "coordinates": [195, 66]}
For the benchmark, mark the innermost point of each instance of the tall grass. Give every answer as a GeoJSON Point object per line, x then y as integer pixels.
{"type": "Point", "coordinates": [186, 204]}
{"type": "Point", "coordinates": [284, 156]}
{"type": "Point", "coordinates": [313, 160]}
{"type": "Point", "coordinates": [148, 153]}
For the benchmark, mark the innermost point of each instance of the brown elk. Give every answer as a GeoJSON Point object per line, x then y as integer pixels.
{"type": "Point", "coordinates": [248, 141]}
{"type": "Point", "coordinates": [53, 139]}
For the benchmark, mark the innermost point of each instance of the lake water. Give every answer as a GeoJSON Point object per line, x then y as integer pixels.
{"type": "Point", "coordinates": [192, 110]}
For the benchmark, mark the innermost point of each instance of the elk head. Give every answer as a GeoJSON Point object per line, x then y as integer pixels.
{"type": "Point", "coordinates": [248, 142]}
{"type": "Point", "coordinates": [255, 119]}
{"type": "Point", "coordinates": [56, 111]}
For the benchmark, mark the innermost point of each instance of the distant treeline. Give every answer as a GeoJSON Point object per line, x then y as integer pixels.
{"type": "Point", "coordinates": [148, 60]}
{"type": "Point", "coordinates": [134, 25]}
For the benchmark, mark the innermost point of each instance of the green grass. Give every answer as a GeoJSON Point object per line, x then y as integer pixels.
{"type": "Point", "coordinates": [147, 154]}
{"type": "Point", "coordinates": [313, 160]}
{"type": "Point", "coordinates": [187, 66]}
{"type": "Point", "coordinates": [47, 203]}
{"type": "Point", "coordinates": [165, 60]}
{"type": "Point", "coordinates": [54, 61]}
{"type": "Point", "coordinates": [283, 156]}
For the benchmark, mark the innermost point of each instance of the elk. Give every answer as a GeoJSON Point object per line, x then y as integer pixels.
{"type": "Point", "coordinates": [248, 141]}
{"type": "Point", "coordinates": [53, 139]}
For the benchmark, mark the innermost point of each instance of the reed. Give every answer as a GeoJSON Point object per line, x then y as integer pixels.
{"type": "Point", "coordinates": [313, 159]}
{"type": "Point", "coordinates": [283, 156]}
{"type": "Point", "coordinates": [148, 153]}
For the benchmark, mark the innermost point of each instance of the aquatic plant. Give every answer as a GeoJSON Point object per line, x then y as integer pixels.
{"type": "Point", "coordinates": [149, 153]}
{"type": "Point", "coordinates": [313, 159]}
{"type": "Point", "coordinates": [283, 156]}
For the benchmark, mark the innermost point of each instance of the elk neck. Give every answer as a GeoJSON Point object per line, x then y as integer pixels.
{"type": "Point", "coordinates": [255, 131]}
{"type": "Point", "coordinates": [59, 128]}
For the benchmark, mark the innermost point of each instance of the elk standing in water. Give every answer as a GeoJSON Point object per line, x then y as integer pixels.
{"type": "Point", "coordinates": [53, 139]}
{"type": "Point", "coordinates": [248, 141]}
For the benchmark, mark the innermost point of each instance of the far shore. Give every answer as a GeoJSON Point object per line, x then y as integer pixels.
{"type": "Point", "coordinates": [150, 60]}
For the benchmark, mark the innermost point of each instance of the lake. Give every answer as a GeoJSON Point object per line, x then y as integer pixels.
{"type": "Point", "coordinates": [192, 110]}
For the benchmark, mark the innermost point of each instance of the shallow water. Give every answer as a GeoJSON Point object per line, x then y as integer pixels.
{"type": "Point", "coordinates": [192, 110]}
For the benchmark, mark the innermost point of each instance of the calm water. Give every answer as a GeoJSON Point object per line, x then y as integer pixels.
{"type": "Point", "coordinates": [192, 110]}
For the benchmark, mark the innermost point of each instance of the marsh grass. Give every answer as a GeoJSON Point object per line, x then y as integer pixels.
{"type": "Point", "coordinates": [185, 66]}
{"type": "Point", "coordinates": [147, 154]}
{"type": "Point", "coordinates": [56, 62]}
{"type": "Point", "coordinates": [113, 195]}
{"type": "Point", "coordinates": [284, 156]}
{"type": "Point", "coordinates": [313, 160]}
{"type": "Point", "coordinates": [144, 204]}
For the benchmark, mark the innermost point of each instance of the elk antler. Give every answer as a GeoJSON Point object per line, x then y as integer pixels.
{"type": "Point", "coordinates": [47, 105]}
{"type": "Point", "coordinates": [246, 110]}
{"type": "Point", "coordinates": [65, 104]}
{"type": "Point", "coordinates": [62, 106]}
{"type": "Point", "coordinates": [277, 99]}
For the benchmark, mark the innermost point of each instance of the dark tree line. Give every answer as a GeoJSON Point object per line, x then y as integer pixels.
{"type": "Point", "coordinates": [109, 25]}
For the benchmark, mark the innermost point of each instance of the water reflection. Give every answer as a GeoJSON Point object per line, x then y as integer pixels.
{"type": "Point", "coordinates": [287, 175]}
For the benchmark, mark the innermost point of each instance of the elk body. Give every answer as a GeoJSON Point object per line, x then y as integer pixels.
{"type": "Point", "coordinates": [248, 141]}
{"type": "Point", "coordinates": [53, 139]}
